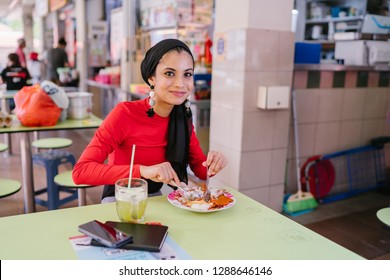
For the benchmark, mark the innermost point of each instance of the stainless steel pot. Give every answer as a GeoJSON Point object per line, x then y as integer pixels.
{"type": "Point", "coordinates": [80, 105]}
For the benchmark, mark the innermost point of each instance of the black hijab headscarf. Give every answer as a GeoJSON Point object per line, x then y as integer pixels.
{"type": "Point", "coordinates": [155, 53]}
{"type": "Point", "coordinates": [180, 119]}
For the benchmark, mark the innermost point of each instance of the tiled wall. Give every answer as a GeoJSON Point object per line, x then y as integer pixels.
{"type": "Point", "coordinates": [259, 51]}
{"type": "Point", "coordinates": [341, 79]}
{"type": "Point", "coordinates": [337, 111]}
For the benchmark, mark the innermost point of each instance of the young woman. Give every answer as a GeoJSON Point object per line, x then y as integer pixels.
{"type": "Point", "coordinates": [160, 127]}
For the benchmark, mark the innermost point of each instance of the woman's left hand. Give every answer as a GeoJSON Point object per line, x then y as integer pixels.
{"type": "Point", "coordinates": [215, 162]}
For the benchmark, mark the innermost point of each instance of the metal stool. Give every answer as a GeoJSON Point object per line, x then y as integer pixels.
{"type": "Point", "coordinates": [52, 143]}
{"type": "Point", "coordinates": [64, 179]}
{"type": "Point", "coordinates": [51, 160]}
{"type": "Point", "coordinates": [384, 216]}
{"type": "Point", "coordinates": [8, 186]}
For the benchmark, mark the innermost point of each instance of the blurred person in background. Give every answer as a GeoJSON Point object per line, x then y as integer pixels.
{"type": "Point", "coordinates": [15, 76]}
{"type": "Point", "coordinates": [20, 52]}
{"type": "Point", "coordinates": [56, 58]}
{"type": "Point", "coordinates": [34, 66]}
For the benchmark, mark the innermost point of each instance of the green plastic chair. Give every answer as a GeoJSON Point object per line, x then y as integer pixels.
{"type": "Point", "coordinates": [64, 179]}
{"type": "Point", "coordinates": [9, 187]}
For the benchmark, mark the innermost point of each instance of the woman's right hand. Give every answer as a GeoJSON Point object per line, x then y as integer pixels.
{"type": "Point", "coordinates": [162, 172]}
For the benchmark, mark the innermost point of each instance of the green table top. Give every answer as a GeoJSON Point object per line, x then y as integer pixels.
{"type": "Point", "coordinates": [384, 215]}
{"type": "Point", "coordinates": [7, 94]}
{"type": "Point", "coordinates": [91, 122]}
{"type": "Point", "coordinates": [248, 230]}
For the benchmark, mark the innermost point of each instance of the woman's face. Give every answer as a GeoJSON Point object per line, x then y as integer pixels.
{"type": "Point", "coordinates": [174, 78]}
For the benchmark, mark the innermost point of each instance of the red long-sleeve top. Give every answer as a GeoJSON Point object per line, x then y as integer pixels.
{"type": "Point", "coordinates": [128, 124]}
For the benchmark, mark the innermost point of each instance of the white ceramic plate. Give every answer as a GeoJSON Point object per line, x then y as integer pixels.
{"type": "Point", "coordinates": [203, 208]}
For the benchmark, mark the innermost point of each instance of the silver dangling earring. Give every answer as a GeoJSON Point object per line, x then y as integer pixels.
{"type": "Point", "coordinates": [150, 112]}
{"type": "Point", "coordinates": [187, 104]}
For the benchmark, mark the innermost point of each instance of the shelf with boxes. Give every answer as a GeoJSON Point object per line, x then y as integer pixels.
{"type": "Point", "coordinates": [322, 20]}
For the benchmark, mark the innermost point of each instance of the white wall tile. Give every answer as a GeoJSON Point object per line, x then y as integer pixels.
{"type": "Point", "coordinates": [371, 129]}
{"type": "Point", "coordinates": [228, 89]}
{"type": "Point", "coordinates": [227, 16]}
{"type": "Point", "coordinates": [264, 15]}
{"type": "Point", "coordinates": [327, 138]}
{"type": "Point", "coordinates": [376, 103]}
{"type": "Point", "coordinates": [276, 194]}
{"type": "Point", "coordinates": [237, 128]}
{"type": "Point", "coordinates": [330, 101]}
{"type": "Point", "coordinates": [285, 56]}
{"type": "Point", "coordinates": [291, 141]}
{"type": "Point", "coordinates": [221, 125]}
{"type": "Point", "coordinates": [281, 128]}
{"type": "Point", "coordinates": [255, 169]}
{"type": "Point", "coordinates": [353, 104]}
{"type": "Point", "coordinates": [229, 176]}
{"type": "Point", "coordinates": [226, 127]}
{"type": "Point", "coordinates": [351, 134]}
{"type": "Point", "coordinates": [307, 139]}
{"type": "Point", "coordinates": [259, 194]}
{"type": "Point", "coordinates": [386, 129]}
{"type": "Point", "coordinates": [284, 78]}
{"type": "Point", "coordinates": [258, 130]}
{"type": "Point", "coordinates": [307, 105]}
{"type": "Point", "coordinates": [260, 50]}
{"type": "Point", "coordinates": [278, 166]}
{"type": "Point", "coordinates": [291, 174]}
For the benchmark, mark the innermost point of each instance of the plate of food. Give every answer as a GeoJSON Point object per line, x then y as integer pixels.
{"type": "Point", "coordinates": [220, 199]}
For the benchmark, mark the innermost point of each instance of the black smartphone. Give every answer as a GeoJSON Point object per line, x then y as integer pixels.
{"type": "Point", "coordinates": [105, 234]}
{"type": "Point", "coordinates": [145, 237]}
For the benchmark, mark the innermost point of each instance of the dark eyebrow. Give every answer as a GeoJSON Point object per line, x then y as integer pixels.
{"type": "Point", "coordinates": [174, 70]}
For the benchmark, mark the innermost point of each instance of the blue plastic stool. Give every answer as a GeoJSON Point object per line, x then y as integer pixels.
{"type": "Point", "coordinates": [51, 160]}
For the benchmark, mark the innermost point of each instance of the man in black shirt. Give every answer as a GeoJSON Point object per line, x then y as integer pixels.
{"type": "Point", "coordinates": [56, 58]}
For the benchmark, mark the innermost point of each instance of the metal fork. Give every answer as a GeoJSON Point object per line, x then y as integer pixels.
{"type": "Point", "coordinates": [207, 193]}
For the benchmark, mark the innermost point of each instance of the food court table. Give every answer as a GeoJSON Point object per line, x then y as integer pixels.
{"type": "Point", "coordinates": [248, 230]}
{"type": "Point", "coordinates": [26, 154]}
